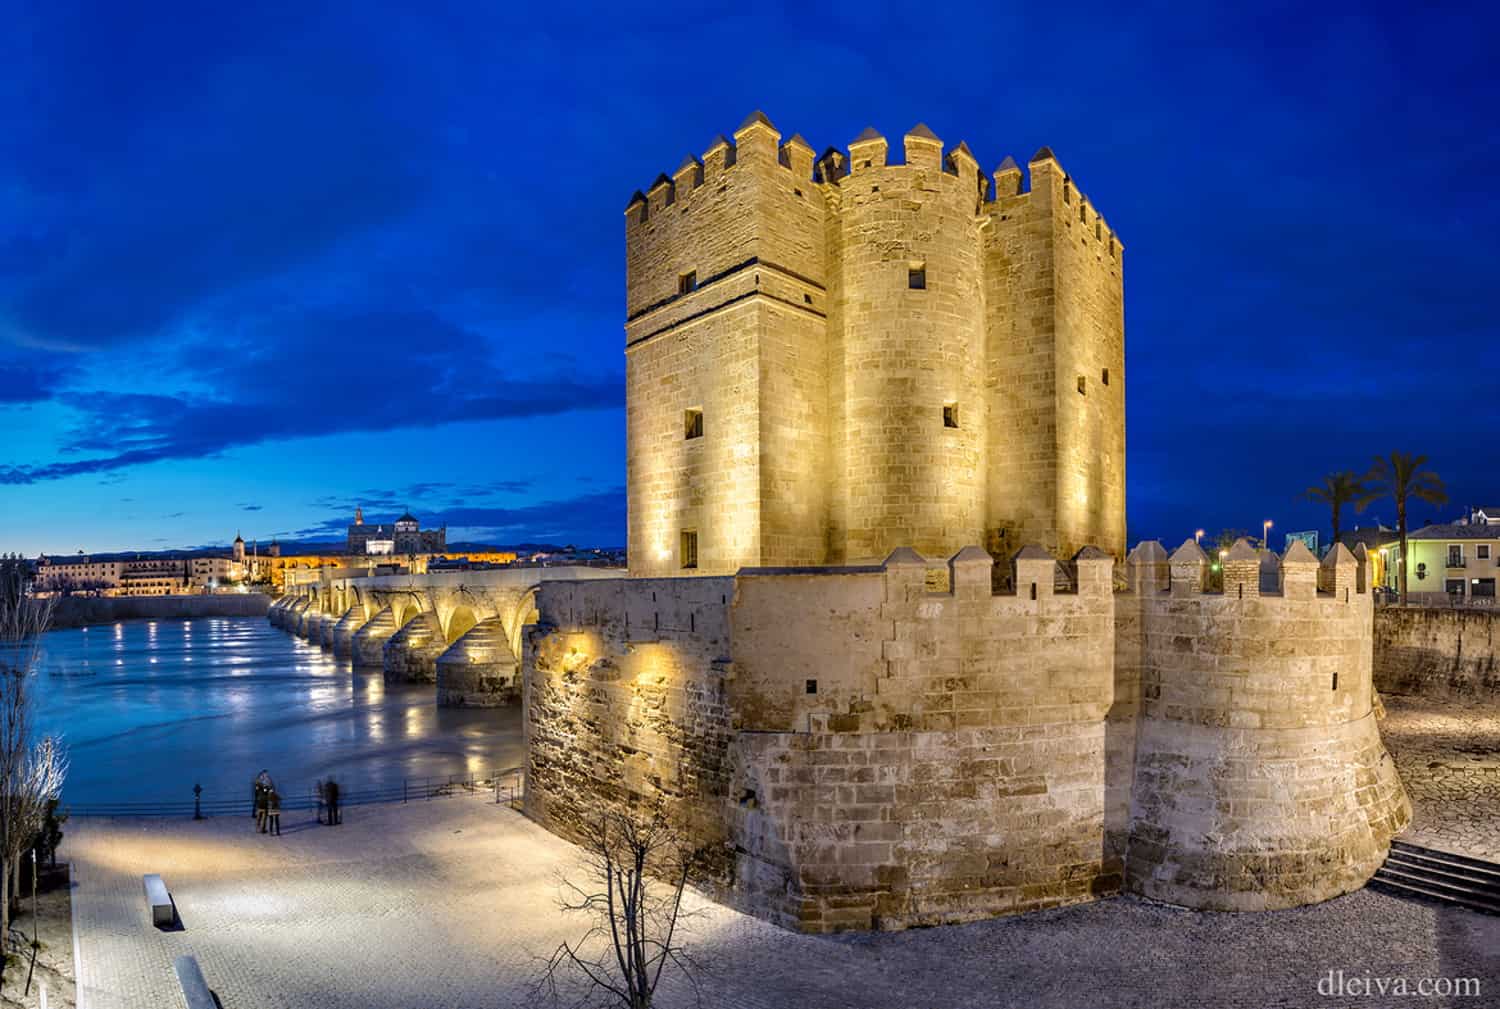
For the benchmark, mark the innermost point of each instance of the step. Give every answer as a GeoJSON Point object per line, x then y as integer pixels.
{"type": "Point", "coordinates": [1444, 872]}
{"type": "Point", "coordinates": [1404, 888]}
{"type": "Point", "coordinates": [1458, 888]}
{"type": "Point", "coordinates": [1469, 862]}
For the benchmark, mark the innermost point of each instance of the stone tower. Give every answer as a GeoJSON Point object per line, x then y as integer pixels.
{"type": "Point", "coordinates": [828, 361]}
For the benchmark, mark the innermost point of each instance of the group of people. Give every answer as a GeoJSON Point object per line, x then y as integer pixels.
{"type": "Point", "coordinates": [265, 803]}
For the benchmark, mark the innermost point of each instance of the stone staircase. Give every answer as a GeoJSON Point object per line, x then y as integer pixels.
{"type": "Point", "coordinates": [1410, 870]}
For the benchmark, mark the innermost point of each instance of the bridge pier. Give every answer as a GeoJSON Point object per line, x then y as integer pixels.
{"type": "Point", "coordinates": [311, 628]}
{"type": "Point", "coordinates": [367, 644]}
{"type": "Point", "coordinates": [479, 670]}
{"type": "Point", "coordinates": [278, 608]}
{"type": "Point", "coordinates": [410, 656]}
{"type": "Point", "coordinates": [325, 631]}
{"type": "Point", "coordinates": [344, 630]}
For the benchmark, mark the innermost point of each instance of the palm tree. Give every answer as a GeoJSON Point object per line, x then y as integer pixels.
{"type": "Point", "coordinates": [1339, 489]}
{"type": "Point", "coordinates": [1399, 477]}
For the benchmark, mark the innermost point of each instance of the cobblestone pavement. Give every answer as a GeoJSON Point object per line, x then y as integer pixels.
{"type": "Point", "coordinates": [447, 905]}
{"type": "Point", "coordinates": [1448, 754]}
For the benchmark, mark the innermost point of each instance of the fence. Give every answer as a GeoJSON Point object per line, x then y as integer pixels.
{"type": "Point", "coordinates": [1442, 600]}
{"type": "Point", "coordinates": [500, 786]}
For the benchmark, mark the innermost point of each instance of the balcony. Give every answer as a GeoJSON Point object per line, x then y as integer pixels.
{"type": "Point", "coordinates": [1455, 561]}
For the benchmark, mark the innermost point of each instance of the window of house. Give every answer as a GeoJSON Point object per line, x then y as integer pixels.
{"type": "Point", "coordinates": [1455, 586]}
{"type": "Point", "coordinates": [692, 423]}
{"type": "Point", "coordinates": [950, 415]}
{"type": "Point", "coordinates": [1083, 386]}
{"type": "Point", "coordinates": [1482, 551]}
{"type": "Point", "coordinates": [1104, 377]}
{"type": "Point", "coordinates": [689, 548]}
{"type": "Point", "coordinates": [687, 282]}
{"type": "Point", "coordinates": [1455, 556]}
{"type": "Point", "coordinates": [916, 276]}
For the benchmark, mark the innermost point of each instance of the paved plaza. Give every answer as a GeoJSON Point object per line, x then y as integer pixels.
{"type": "Point", "coordinates": [1448, 755]}
{"type": "Point", "coordinates": [448, 904]}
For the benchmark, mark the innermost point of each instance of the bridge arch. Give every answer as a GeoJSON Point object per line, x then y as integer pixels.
{"type": "Point", "coordinates": [460, 621]}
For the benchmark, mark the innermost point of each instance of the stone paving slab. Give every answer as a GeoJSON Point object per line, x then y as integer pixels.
{"type": "Point", "coordinates": [448, 905]}
{"type": "Point", "coordinates": [1448, 755]}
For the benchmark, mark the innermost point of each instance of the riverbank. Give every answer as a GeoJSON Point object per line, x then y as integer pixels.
{"type": "Point", "coordinates": [84, 611]}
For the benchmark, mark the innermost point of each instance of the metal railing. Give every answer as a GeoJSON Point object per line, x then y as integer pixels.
{"type": "Point", "coordinates": [498, 786]}
{"type": "Point", "coordinates": [1437, 600]}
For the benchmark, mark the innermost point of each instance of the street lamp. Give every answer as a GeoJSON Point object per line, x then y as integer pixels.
{"type": "Point", "coordinates": [1265, 534]}
{"type": "Point", "coordinates": [1198, 536]}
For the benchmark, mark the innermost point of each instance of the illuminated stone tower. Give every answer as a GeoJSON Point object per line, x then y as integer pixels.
{"type": "Point", "coordinates": [826, 362]}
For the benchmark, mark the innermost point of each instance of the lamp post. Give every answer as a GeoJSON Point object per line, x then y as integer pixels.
{"type": "Point", "coordinates": [1198, 536]}
{"type": "Point", "coordinates": [1265, 534]}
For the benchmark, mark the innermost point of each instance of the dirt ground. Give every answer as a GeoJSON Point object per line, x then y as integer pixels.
{"type": "Point", "coordinates": [53, 970]}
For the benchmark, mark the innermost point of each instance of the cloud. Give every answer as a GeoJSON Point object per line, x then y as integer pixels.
{"type": "Point", "coordinates": [424, 372]}
{"type": "Point", "coordinates": [251, 507]}
{"type": "Point", "coordinates": [594, 519]}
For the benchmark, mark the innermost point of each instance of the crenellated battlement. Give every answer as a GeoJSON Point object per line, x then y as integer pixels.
{"type": "Point", "coordinates": [899, 743]}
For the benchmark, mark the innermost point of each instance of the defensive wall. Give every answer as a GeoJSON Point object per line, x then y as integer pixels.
{"type": "Point", "coordinates": [1437, 651]}
{"type": "Point", "coordinates": [459, 630]}
{"type": "Point", "coordinates": [857, 750]}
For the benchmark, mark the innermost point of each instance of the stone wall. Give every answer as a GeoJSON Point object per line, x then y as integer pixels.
{"type": "Point", "coordinates": [81, 611]}
{"type": "Point", "coordinates": [860, 751]}
{"type": "Point", "coordinates": [1260, 780]}
{"type": "Point", "coordinates": [1437, 651]}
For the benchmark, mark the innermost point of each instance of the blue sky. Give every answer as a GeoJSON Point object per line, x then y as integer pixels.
{"type": "Point", "coordinates": [261, 264]}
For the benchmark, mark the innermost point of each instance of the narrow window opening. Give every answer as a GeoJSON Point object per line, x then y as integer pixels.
{"type": "Point", "coordinates": [1335, 680]}
{"type": "Point", "coordinates": [950, 415]}
{"type": "Point", "coordinates": [1104, 376]}
{"type": "Point", "coordinates": [1033, 590]}
{"type": "Point", "coordinates": [1083, 213]}
{"type": "Point", "coordinates": [1067, 191]}
{"type": "Point", "coordinates": [689, 549]}
{"type": "Point", "coordinates": [693, 424]}
{"type": "Point", "coordinates": [1083, 386]}
{"type": "Point", "coordinates": [687, 283]}
{"type": "Point", "coordinates": [1241, 587]}
{"type": "Point", "coordinates": [812, 686]}
{"type": "Point", "coordinates": [916, 276]}
{"type": "Point", "coordinates": [807, 299]}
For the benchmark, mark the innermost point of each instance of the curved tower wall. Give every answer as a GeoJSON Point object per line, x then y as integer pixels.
{"type": "Point", "coordinates": [911, 343]}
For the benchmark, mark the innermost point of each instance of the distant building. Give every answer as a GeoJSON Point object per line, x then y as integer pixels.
{"type": "Point", "coordinates": [1460, 560]}
{"type": "Point", "coordinates": [405, 536]}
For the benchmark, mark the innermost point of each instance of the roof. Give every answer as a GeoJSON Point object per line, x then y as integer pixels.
{"type": "Point", "coordinates": [407, 517]}
{"type": "Point", "coordinates": [866, 135]}
{"type": "Point", "coordinates": [1451, 531]}
{"type": "Point", "coordinates": [1492, 510]}
{"type": "Point", "coordinates": [1008, 165]}
{"type": "Point", "coordinates": [756, 118]}
{"type": "Point", "coordinates": [921, 132]}
{"type": "Point", "coordinates": [1372, 537]}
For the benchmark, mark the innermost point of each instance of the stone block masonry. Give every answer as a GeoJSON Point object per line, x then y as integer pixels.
{"type": "Point", "coordinates": [829, 360]}
{"type": "Point", "coordinates": [860, 751]}
{"type": "Point", "coordinates": [1437, 652]}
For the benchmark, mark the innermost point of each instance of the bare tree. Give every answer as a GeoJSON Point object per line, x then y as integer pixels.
{"type": "Point", "coordinates": [636, 869]}
{"type": "Point", "coordinates": [31, 769]}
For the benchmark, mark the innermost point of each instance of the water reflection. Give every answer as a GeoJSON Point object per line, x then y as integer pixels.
{"type": "Point", "coordinates": [165, 704]}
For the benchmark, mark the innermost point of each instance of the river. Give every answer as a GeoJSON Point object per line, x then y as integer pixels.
{"type": "Point", "coordinates": [149, 708]}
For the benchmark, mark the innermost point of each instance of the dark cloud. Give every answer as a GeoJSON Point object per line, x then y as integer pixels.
{"type": "Point", "coordinates": [251, 507]}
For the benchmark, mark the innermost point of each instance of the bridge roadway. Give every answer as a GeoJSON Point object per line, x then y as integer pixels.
{"type": "Point", "coordinates": [460, 630]}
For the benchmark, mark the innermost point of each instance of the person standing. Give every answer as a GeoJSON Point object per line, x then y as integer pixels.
{"type": "Point", "coordinates": [273, 811]}
{"type": "Point", "coordinates": [331, 796]}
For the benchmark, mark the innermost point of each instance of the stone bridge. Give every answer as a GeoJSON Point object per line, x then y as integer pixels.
{"type": "Point", "coordinates": [458, 629]}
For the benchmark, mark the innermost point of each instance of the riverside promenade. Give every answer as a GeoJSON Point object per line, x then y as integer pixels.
{"type": "Point", "coordinates": [449, 904]}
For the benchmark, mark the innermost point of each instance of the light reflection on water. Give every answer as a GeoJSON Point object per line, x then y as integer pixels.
{"type": "Point", "coordinates": [144, 719]}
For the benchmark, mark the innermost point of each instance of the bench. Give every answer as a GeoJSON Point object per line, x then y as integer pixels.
{"type": "Point", "coordinates": [195, 990]}
{"type": "Point", "coordinates": [159, 900]}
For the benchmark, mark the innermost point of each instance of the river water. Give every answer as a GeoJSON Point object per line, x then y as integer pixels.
{"type": "Point", "coordinates": [148, 708]}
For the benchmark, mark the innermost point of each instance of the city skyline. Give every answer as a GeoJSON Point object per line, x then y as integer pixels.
{"type": "Point", "coordinates": [328, 261]}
